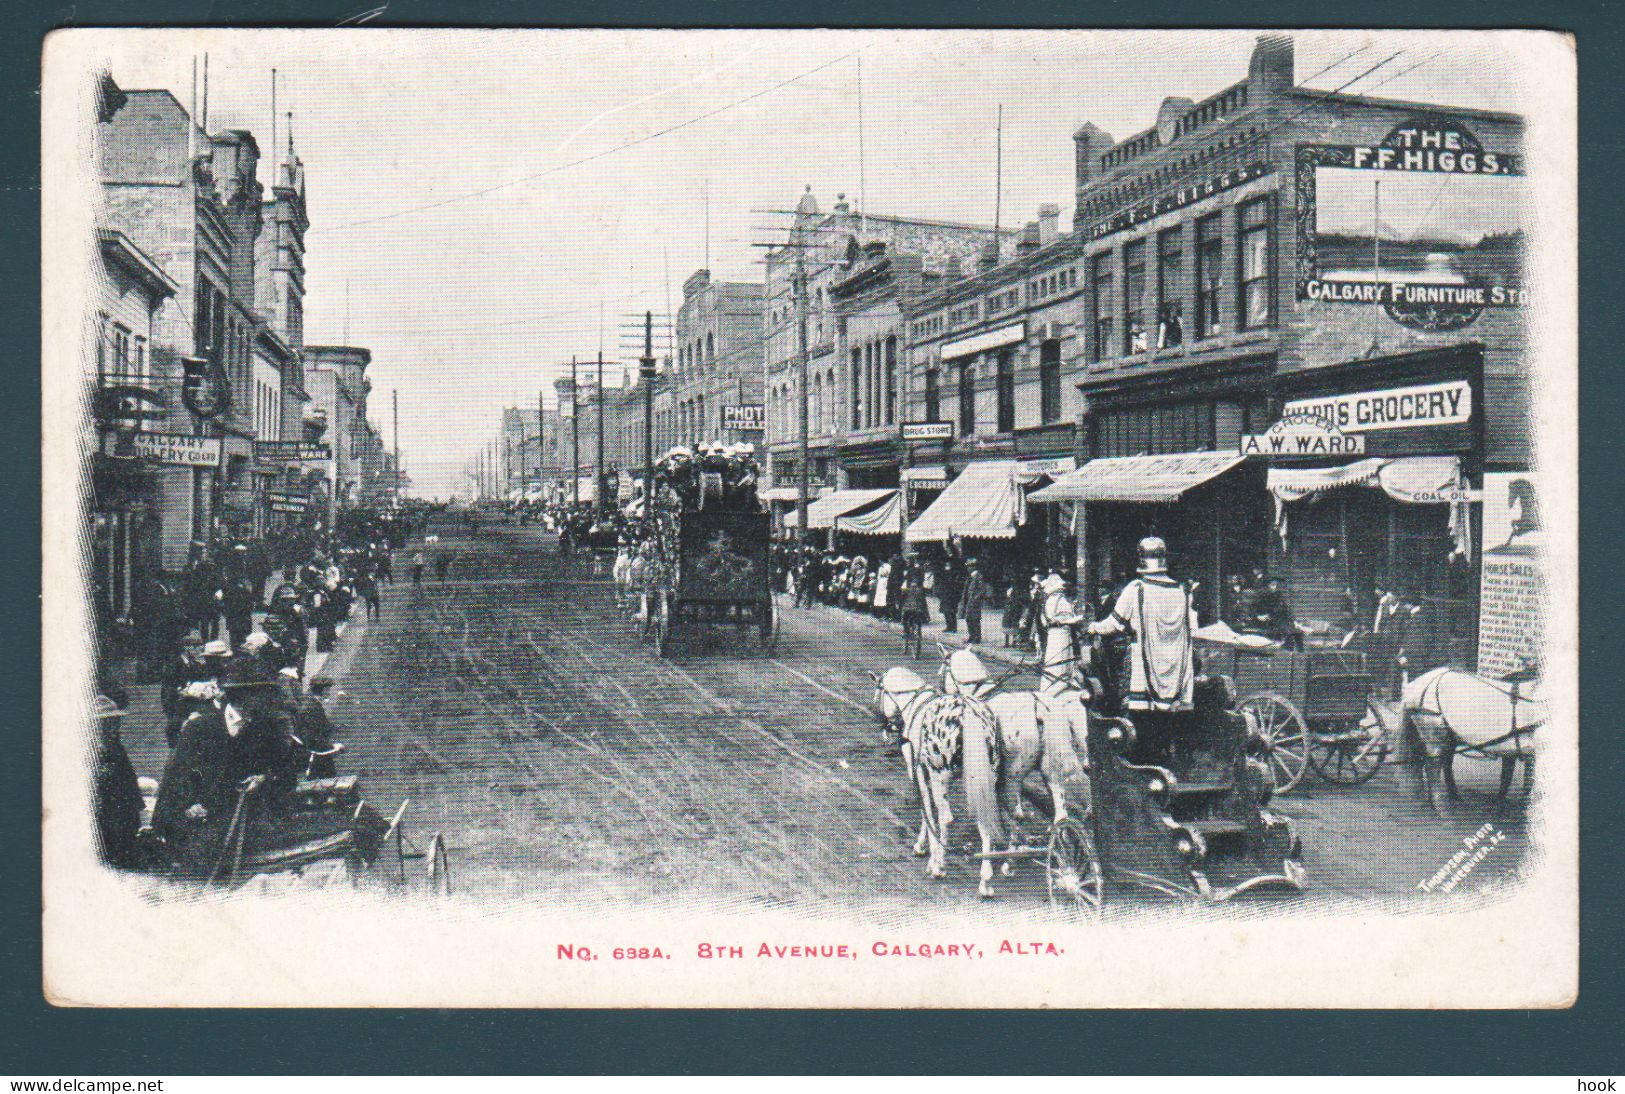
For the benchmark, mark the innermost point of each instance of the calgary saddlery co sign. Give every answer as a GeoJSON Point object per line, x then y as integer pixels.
{"type": "Point", "coordinates": [1429, 224]}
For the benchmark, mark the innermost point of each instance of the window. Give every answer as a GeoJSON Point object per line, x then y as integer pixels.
{"type": "Point", "coordinates": [857, 387]}
{"type": "Point", "coordinates": [121, 350]}
{"type": "Point", "coordinates": [1049, 381]}
{"type": "Point", "coordinates": [933, 395]}
{"type": "Point", "coordinates": [1209, 275]}
{"type": "Point", "coordinates": [1100, 307]}
{"type": "Point", "coordinates": [891, 379]}
{"type": "Point", "coordinates": [1134, 304]}
{"type": "Point", "coordinates": [138, 360]}
{"type": "Point", "coordinates": [1006, 389]}
{"type": "Point", "coordinates": [1254, 251]}
{"type": "Point", "coordinates": [1170, 288]}
{"type": "Point", "coordinates": [967, 396]}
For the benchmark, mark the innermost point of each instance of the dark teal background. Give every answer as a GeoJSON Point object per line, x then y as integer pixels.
{"type": "Point", "coordinates": [37, 1040]}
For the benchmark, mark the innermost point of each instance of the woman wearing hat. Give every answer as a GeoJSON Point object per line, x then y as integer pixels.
{"type": "Point", "coordinates": [1056, 618]}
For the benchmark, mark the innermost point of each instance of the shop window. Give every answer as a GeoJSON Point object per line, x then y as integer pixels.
{"type": "Point", "coordinates": [1209, 275]}
{"type": "Point", "coordinates": [933, 395]}
{"type": "Point", "coordinates": [1135, 339]}
{"type": "Point", "coordinates": [1100, 304]}
{"type": "Point", "coordinates": [1254, 252]}
{"type": "Point", "coordinates": [1006, 390]}
{"type": "Point", "coordinates": [1049, 381]}
{"type": "Point", "coordinates": [967, 397]}
{"type": "Point", "coordinates": [1170, 288]}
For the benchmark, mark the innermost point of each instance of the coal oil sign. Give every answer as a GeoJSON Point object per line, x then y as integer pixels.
{"type": "Point", "coordinates": [1428, 224]}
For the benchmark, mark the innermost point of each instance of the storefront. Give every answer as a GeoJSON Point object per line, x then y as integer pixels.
{"type": "Point", "coordinates": [823, 513]}
{"type": "Point", "coordinates": [1198, 502]}
{"type": "Point", "coordinates": [1397, 516]}
{"type": "Point", "coordinates": [986, 506]}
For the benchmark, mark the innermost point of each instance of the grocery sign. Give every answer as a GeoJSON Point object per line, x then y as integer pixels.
{"type": "Point", "coordinates": [1303, 434]}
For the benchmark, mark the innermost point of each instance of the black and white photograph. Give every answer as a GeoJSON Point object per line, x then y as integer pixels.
{"type": "Point", "coordinates": [810, 518]}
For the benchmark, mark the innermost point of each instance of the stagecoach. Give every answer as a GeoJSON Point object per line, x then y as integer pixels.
{"type": "Point", "coordinates": [712, 570]}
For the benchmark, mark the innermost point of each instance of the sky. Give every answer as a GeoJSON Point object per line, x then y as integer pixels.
{"type": "Point", "coordinates": [486, 203]}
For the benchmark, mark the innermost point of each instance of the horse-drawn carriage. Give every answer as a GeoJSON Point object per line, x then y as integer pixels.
{"type": "Point", "coordinates": [1317, 708]}
{"type": "Point", "coordinates": [711, 568]}
{"type": "Point", "coordinates": [1176, 801]}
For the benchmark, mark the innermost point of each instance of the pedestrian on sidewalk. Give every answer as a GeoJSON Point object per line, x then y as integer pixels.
{"type": "Point", "coordinates": [1016, 601]}
{"type": "Point", "coordinates": [367, 586]}
{"type": "Point", "coordinates": [417, 568]}
{"type": "Point", "coordinates": [951, 585]}
{"type": "Point", "coordinates": [914, 610]}
{"type": "Point", "coordinates": [238, 601]}
{"type": "Point", "coordinates": [973, 600]}
{"type": "Point", "coordinates": [442, 565]}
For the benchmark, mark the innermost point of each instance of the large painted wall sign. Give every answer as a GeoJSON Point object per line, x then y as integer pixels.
{"type": "Point", "coordinates": [1429, 224]}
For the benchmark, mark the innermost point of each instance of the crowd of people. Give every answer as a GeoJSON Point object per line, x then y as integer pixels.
{"type": "Point", "coordinates": [240, 714]}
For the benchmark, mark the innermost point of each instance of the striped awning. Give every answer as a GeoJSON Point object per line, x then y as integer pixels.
{"type": "Point", "coordinates": [984, 502]}
{"type": "Point", "coordinates": [837, 503]}
{"type": "Point", "coordinates": [1138, 478]}
{"type": "Point", "coordinates": [885, 519]}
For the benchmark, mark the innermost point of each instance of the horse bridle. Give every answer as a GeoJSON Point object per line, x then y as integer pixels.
{"type": "Point", "coordinates": [891, 728]}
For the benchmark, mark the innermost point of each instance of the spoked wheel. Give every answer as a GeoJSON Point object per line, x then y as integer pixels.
{"type": "Point", "coordinates": [1350, 756]}
{"type": "Point", "coordinates": [1072, 869]}
{"type": "Point", "coordinates": [439, 866]}
{"type": "Point", "coordinates": [1282, 725]}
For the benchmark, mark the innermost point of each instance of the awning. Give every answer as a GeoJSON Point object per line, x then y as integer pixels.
{"type": "Point", "coordinates": [984, 502]}
{"type": "Point", "coordinates": [935, 473]}
{"type": "Point", "coordinates": [1138, 478]}
{"type": "Point", "coordinates": [885, 519]}
{"type": "Point", "coordinates": [1408, 478]}
{"type": "Point", "coordinates": [788, 493]}
{"type": "Point", "coordinates": [837, 503]}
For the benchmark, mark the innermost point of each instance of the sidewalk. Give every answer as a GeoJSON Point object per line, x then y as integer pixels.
{"type": "Point", "coordinates": [991, 649]}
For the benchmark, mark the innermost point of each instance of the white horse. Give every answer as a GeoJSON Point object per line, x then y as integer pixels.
{"type": "Point", "coordinates": [1448, 710]}
{"type": "Point", "coordinates": [1046, 733]}
{"type": "Point", "coordinates": [940, 733]}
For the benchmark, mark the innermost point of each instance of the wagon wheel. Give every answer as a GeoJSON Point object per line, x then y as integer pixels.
{"type": "Point", "coordinates": [439, 866]}
{"type": "Point", "coordinates": [1348, 757]}
{"type": "Point", "coordinates": [1072, 869]}
{"type": "Point", "coordinates": [663, 627]}
{"type": "Point", "coordinates": [1280, 724]}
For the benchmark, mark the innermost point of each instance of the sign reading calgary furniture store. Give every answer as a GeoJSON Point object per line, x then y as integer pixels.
{"type": "Point", "coordinates": [1428, 223]}
{"type": "Point", "coordinates": [178, 448]}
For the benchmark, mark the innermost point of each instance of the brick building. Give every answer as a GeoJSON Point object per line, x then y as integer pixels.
{"type": "Point", "coordinates": [1273, 249]}
{"type": "Point", "coordinates": [717, 362]}
{"type": "Point", "coordinates": [827, 249]}
{"type": "Point", "coordinates": [335, 377]}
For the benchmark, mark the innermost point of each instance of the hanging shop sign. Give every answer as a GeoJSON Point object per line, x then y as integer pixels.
{"type": "Point", "coordinates": [1511, 589]}
{"type": "Point", "coordinates": [988, 339]}
{"type": "Point", "coordinates": [746, 417]}
{"type": "Point", "coordinates": [287, 506]}
{"type": "Point", "coordinates": [287, 497]}
{"type": "Point", "coordinates": [1179, 198]}
{"type": "Point", "coordinates": [928, 431]}
{"type": "Point", "coordinates": [178, 448]}
{"type": "Point", "coordinates": [205, 388]}
{"type": "Point", "coordinates": [287, 451]}
{"type": "Point", "coordinates": [1058, 465]}
{"type": "Point", "coordinates": [1429, 224]}
{"type": "Point", "coordinates": [1448, 403]}
{"type": "Point", "coordinates": [1303, 433]}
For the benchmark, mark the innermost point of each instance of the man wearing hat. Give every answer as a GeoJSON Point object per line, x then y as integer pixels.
{"type": "Point", "coordinates": [186, 667]}
{"type": "Point", "coordinates": [245, 742]}
{"type": "Point", "coordinates": [116, 797]}
{"type": "Point", "coordinates": [1157, 612]}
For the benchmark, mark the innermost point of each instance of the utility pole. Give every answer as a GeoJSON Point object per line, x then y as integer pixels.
{"type": "Point", "coordinates": [799, 287]}
{"type": "Point", "coordinates": [598, 462]}
{"type": "Point", "coordinates": [541, 440]}
{"type": "Point", "coordinates": [646, 372]}
{"type": "Point", "coordinates": [575, 436]}
{"type": "Point", "coordinates": [395, 413]}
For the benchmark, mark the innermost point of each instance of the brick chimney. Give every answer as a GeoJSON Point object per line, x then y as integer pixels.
{"type": "Point", "coordinates": [987, 255]}
{"type": "Point", "coordinates": [1049, 223]}
{"type": "Point", "coordinates": [1088, 144]}
{"type": "Point", "coordinates": [1028, 243]}
{"type": "Point", "coordinates": [1270, 70]}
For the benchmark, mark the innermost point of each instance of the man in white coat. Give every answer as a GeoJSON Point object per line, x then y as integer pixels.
{"type": "Point", "coordinates": [1156, 611]}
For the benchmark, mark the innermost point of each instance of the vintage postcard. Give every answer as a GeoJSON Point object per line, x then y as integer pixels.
{"type": "Point", "coordinates": [820, 518]}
